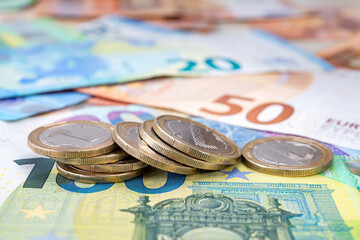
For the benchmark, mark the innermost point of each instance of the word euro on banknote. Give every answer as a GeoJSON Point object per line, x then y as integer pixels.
{"type": "Point", "coordinates": [18, 108]}
{"type": "Point", "coordinates": [234, 203]}
{"type": "Point", "coordinates": [318, 105]}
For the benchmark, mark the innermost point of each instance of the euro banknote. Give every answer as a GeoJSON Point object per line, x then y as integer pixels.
{"type": "Point", "coordinates": [147, 9]}
{"type": "Point", "coordinates": [234, 203]}
{"type": "Point", "coordinates": [260, 51]}
{"type": "Point", "coordinates": [18, 108]}
{"type": "Point", "coordinates": [60, 66]}
{"type": "Point", "coordinates": [321, 105]}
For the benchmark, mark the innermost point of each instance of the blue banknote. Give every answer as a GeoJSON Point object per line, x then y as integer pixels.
{"type": "Point", "coordinates": [18, 108]}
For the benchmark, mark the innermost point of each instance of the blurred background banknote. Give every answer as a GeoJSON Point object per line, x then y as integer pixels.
{"type": "Point", "coordinates": [288, 103]}
{"type": "Point", "coordinates": [12, 109]}
{"type": "Point", "coordinates": [60, 66]}
{"type": "Point", "coordinates": [324, 205]}
{"type": "Point", "coordinates": [145, 9]}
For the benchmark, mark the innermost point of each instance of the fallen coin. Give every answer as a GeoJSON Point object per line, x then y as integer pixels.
{"type": "Point", "coordinates": [287, 156]}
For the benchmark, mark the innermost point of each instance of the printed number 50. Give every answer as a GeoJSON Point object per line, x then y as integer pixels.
{"type": "Point", "coordinates": [253, 114]}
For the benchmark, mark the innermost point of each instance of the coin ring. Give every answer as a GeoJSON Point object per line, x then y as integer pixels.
{"type": "Point", "coordinates": [111, 157]}
{"type": "Point", "coordinates": [288, 171]}
{"type": "Point", "coordinates": [116, 167]}
{"type": "Point", "coordinates": [149, 136]}
{"type": "Point", "coordinates": [39, 147]}
{"type": "Point", "coordinates": [73, 173]}
{"type": "Point", "coordinates": [148, 156]}
{"type": "Point", "coordinates": [192, 150]}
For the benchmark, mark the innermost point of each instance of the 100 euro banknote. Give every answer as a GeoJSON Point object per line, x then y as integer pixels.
{"type": "Point", "coordinates": [234, 203]}
{"type": "Point", "coordinates": [319, 105]}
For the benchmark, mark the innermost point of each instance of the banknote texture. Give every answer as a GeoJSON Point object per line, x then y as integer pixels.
{"type": "Point", "coordinates": [288, 103]}
{"type": "Point", "coordinates": [233, 203]}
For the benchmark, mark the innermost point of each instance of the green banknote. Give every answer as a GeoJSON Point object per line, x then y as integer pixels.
{"type": "Point", "coordinates": [234, 203]}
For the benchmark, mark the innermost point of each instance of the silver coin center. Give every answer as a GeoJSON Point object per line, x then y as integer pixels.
{"type": "Point", "coordinates": [198, 136]}
{"type": "Point", "coordinates": [75, 136]}
{"type": "Point", "coordinates": [287, 153]}
{"type": "Point", "coordinates": [133, 134]}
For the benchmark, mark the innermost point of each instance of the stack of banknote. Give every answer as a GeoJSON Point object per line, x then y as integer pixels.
{"type": "Point", "coordinates": [257, 70]}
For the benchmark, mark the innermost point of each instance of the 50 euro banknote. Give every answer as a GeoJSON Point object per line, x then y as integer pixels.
{"type": "Point", "coordinates": [321, 105]}
{"type": "Point", "coordinates": [234, 203]}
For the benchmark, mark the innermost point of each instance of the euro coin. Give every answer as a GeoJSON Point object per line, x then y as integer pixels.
{"type": "Point", "coordinates": [103, 159]}
{"type": "Point", "coordinates": [73, 173]}
{"type": "Point", "coordinates": [124, 165]}
{"type": "Point", "coordinates": [126, 135]}
{"type": "Point", "coordinates": [197, 140]}
{"type": "Point", "coordinates": [152, 140]}
{"type": "Point", "coordinates": [287, 156]}
{"type": "Point", "coordinates": [72, 139]}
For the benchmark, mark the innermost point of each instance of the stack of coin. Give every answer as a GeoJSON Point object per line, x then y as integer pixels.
{"type": "Point", "coordinates": [88, 151]}
{"type": "Point", "coordinates": [176, 144]}
{"type": "Point", "coordinates": [287, 156]}
{"type": "Point", "coordinates": [85, 151]}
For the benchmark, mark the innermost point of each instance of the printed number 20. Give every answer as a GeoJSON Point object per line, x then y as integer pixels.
{"type": "Point", "coordinates": [217, 63]}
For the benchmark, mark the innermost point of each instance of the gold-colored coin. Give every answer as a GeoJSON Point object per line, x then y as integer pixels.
{"type": "Point", "coordinates": [73, 173]}
{"type": "Point", "coordinates": [111, 157]}
{"type": "Point", "coordinates": [126, 135]}
{"type": "Point", "coordinates": [148, 135]}
{"type": "Point", "coordinates": [287, 156]}
{"type": "Point", "coordinates": [124, 165]}
{"type": "Point", "coordinates": [197, 140]}
{"type": "Point", "coordinates": [72, 139]}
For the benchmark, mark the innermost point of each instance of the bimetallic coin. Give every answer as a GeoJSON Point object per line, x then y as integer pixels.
{"type": "Point", "coordinates": [104, 159]}
{"type": "Point", "coordinates": [72, 139]}
{"type": "Point", "coordinates": [126, 135]}
{"type": "Point", "coordinates": [148, 135]}
{"type": "Point", "coordinates": [124, 165]}
{"type": "Point", "coordinates": [287, 156]}
{"type": "Point", "coordinates": [197, 140]}
{"type": "Point", "coordinates": [73, 173]}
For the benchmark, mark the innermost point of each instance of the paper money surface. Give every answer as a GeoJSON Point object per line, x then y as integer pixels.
{"type": "Point", "coordinates": [18, 108]}
{"type": "Point", "coordinates": [40, 31]}
{"type": "Point", "coordinates": [92, 8]}
{"type": "Point", "coordinates": [238, 9]}
{"type": "Point", "coordinates": [319, 105]}
{"type": "Point", "coordinates": [145, 9]}
{"type": "Point", "coordinates": [60, 66]}
{"type": "Point", "coordinates": [323, 25]}
{"type": "Point", "coordinates": [260, 51]}
{"type": "Point", "coordinates": [234, 203]}
{"type": "Point", "coordinates": [345, 54]}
